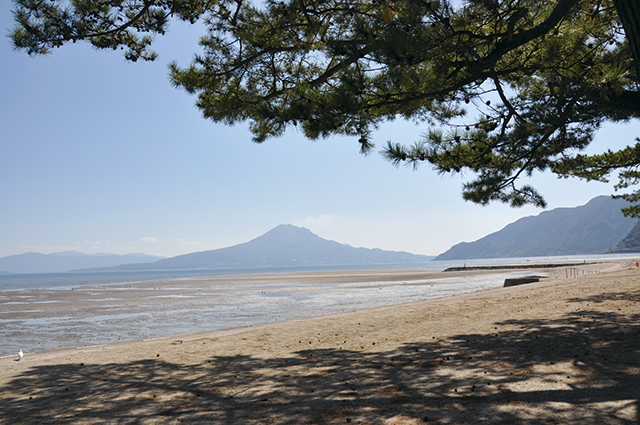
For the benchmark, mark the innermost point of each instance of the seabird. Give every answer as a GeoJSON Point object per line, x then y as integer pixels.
{"type": "Point", "coordinates": [20, 354]}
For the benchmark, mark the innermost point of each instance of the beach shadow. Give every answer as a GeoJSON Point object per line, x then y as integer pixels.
{"type": "Point", "coordinates": [608, 296]}
{"type": "Point", "coordinates": [580, 369]}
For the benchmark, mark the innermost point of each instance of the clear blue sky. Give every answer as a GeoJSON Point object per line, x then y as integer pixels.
{"type": "Point", "coordinates": [101, 155]}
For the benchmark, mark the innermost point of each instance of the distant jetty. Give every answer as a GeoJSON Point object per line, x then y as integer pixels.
{"type": "Point", "coordinates": [515, 266]}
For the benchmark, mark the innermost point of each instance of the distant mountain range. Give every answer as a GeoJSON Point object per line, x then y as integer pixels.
{"type": "Point", "coordinates": [285, 245]}
{"type": "Point", "coordinates": [33, 262]}
{"type": "Point", "coordinates": [594, 228]}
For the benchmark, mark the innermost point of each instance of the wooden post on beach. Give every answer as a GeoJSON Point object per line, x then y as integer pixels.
{"type": "Point", "coordinates": [571, 272]}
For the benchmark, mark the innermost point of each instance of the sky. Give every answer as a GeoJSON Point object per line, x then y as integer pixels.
{"type": "Point", "coordinates": [100, 155]}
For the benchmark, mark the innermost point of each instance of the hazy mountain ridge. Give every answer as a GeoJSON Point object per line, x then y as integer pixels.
{"type": "Point", "coordinates": [631, 242]}
{"type": "Point", "coordinates": [285, 245]}
{"type": "Point", "coordinates": [593, 228]}
{"type": "Point", "coordinates": [59, 262]}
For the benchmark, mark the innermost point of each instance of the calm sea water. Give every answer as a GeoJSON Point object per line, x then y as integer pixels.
{"type": "Point", "coordinates": [62, 310]}
{"type": "Point", "coordinates": [17, 281]}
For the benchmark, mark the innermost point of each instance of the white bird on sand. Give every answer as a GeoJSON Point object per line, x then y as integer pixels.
{"type": "Point", "coordinates": [20, 354]}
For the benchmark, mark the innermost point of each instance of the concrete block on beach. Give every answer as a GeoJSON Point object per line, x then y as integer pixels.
{"type": "Point", "coordinates": [520, 281]}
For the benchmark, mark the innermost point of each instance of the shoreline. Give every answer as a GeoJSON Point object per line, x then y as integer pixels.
{"type": "Point", "coordinates": [563, 350]}
{"type": "Point", "coordinates": [191, 336]}
{"type": "Point", "coordinates": [39, 320]}
{"type": "Point", "coordinates": [387, 277]}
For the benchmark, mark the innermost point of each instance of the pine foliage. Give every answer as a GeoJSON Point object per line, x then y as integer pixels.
{"type": "Point", "coordinates": [505, 88]}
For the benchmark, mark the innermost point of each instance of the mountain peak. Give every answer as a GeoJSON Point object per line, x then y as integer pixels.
{"type": "Point", "coordinates": [285, 245]}
{"type": "Point", "coordinates": [288, 232]}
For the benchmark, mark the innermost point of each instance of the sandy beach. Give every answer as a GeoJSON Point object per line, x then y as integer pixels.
{"type": "Point", "coordinates": [51, 318]}
{"type": "Point", "coordinates": [565, 350]}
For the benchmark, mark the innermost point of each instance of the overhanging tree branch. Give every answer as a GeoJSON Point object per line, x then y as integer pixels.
{"type": "Point", "coordinates": [558, 68]}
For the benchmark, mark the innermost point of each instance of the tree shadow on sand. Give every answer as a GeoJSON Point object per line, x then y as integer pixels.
{"type": "Point", "coordinates": [581, 369]}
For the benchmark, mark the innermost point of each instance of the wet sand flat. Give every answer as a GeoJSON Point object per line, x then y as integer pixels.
{"type": "Point", "coordinates": [40, 319]}
{"type": "Point", "coordinates": [565, 351]}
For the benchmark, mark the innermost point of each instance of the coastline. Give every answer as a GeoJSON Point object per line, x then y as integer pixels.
{"type": "Point", "coordinates": [563, 350]}
{"type": "Point", "coordinates": [65, 299]}
{"type": "Point", "coordinates": [43, 319]}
